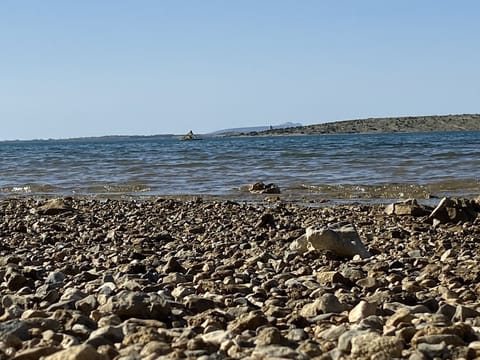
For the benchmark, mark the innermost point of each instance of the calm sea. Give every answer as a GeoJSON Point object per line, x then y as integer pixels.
{"type": "Point", "coordinates": [382, 166]}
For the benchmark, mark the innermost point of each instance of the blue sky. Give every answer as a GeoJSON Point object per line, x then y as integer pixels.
{"type": "Point", "coordinates": [87, 68]}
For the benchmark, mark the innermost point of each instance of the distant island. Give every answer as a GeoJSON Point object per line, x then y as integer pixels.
{"type": "Point", "coordinates": [254, 129]}
{"type": "Point", "coordinates": [464, 122]}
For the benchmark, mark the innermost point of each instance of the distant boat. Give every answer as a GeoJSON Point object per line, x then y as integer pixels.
{"type": "Point", "coordinates": [190, 136]}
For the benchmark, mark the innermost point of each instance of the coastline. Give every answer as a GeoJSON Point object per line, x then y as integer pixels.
{"type": "Point", "coordinates": [386, 125]}
{"type": "Point", "coordinates": [169, 278]}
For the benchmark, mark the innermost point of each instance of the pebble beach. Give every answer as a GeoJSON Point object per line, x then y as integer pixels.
{"type": "Point", "coordinates": [159, 278]}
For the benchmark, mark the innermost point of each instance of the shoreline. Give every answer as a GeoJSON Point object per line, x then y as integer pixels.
{"type": "Point", "coordinates": [168, 278]}
{"type": "Point", "coordinates": [383, 125]}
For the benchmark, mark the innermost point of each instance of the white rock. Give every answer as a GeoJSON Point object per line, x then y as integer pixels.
{"type": "Point", "coordinates": [343, 241]}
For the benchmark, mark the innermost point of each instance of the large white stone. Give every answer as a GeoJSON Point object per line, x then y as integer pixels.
{"type": "Point", "coordinates": [343, 241]}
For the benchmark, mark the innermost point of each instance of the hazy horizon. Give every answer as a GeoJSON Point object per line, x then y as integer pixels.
{"type": "Point", "coordinates": [105, 68]}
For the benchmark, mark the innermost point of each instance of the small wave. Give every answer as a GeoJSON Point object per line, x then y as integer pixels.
{"type": "Point", "coordinates": [387, 191]}
{"type": "Point", "coordinates": [457, 187]}
{"type": "Point", "coordinates": [29, 189]}
{"type": "Point", "coordinates": [116, 189]}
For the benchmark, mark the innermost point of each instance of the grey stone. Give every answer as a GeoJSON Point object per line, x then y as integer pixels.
{"type": "Point", "coordinates": [78, 352]}
{"type": "Point", "coordinates": [53, 207]}
{"type": "Point", "coordinates": [55, 277]}
{"type": "Point", "coordinates": [345, 340]}
{"type": "Point", "coordinates": [464, 312]}
{"type": "Point", "coordinates": [373, 345]}
{"type": "Point", "coordinates": [199, 304]}
{"type": "Point", "coordinates": [18, 328]}
{"type": "Point", "coordinates": [433, 350]}
{"type": "Point", "coordinates": [277, 352]}
{"type": "Point", "coordinates": [327, 303]}
{"type": "Point", "coordinates": [269, 336]}
{"type": "Point", "coordinates": [128, 304]}
{"type": "Point", "coordinates": [407, 207]}
{"type": "Point", "coordinates": [107, 335]}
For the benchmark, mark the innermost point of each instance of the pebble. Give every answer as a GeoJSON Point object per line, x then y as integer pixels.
{"type": "Point", "coordinates": [165, 278]}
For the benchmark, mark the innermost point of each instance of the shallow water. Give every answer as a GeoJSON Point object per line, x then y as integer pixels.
{"type": "Point", "coordinates": [331, 166]}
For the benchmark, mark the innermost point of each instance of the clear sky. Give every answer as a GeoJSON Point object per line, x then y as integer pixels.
{"type": "Point", "coordinates": [110, 67]}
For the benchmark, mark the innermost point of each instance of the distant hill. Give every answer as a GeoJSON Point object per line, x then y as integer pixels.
{"type": "Point", "coordinates": [254, 129]}
{"type": "Point", "coordinates": [465, 122]}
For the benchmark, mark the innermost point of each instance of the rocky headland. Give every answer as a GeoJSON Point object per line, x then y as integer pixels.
{"type": "Point", "coordinates": [464, 122]}
{"type": "Point", "coordinates": [205, 279]}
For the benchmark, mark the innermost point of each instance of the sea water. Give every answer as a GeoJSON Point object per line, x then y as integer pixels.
{"type": "Point", "coordinates": [349, 166]}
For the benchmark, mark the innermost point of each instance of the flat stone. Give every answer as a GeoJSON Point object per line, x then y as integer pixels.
{"type": "Point", "coordinates": [198, 304]}
{"type": "Point", "coordinates": [15, 327]}
{"type": "Point", "coordinates": [433, 350]}
{"type": "Point", "coordinates": [36, 353]}
{"type": "Point", "coordinates": [407, 207]}
{"type": "Point", "coordinates": [277, 352]}
{"type": "Point", "coordinates": [401, 316]}
{"type": "Point", "coordinates": [216, 337]}
{"type": "Point", "coordinates": [78, 352]}
{"type": "Point", "coordinates": [371, 344]}
{"type": "Point", "coordinates": [249, 321]}
{"type": "Point", "coordinates": [53, 207]}
{"type": "Point", "coordinates": [329, 277]}
{"type": "Point", "coordinates": [127, 304]}
{"type": "Point", "coordinates": [464, 312]}
{"type": "Point", "coordinates": [333, 332]}
{"type": "Point", "coordinates": [449, 339]}
{"type": "Point", "coordinates": [269, 336]}
{"type": "Point", "coordinates": [345, 339]}
{"type": "Point", "coordinates": [327, 303]}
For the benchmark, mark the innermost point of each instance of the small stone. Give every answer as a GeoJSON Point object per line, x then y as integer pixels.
{"type": "Point", "coordinates": [15, 327]}
{"type": "Point", "coordinates": [407, 207]}
{"type": "Point", "coordinates": [87, 304]}
{"type": "Point", "coordinates": [53, 207]}
{"type": "Point", "coordinates": [309, 348]}
{"type": "Point", "coordinates": [297, 335]}
{"type": "Point", "coordinates": [78, 352]}
{"type": "Point", "coordinates": [261, 188]}
{"type": "Point", "coordinates": [401, 316]}
{"type": "Point", "coordinates": [216, 337]}
{"type": "Point", "coordinates": [345, 339]}
{"type": "Point", "coordinates": [369, 283]}
{"type": "Point", "coordinates": [128, 304]}
{"type": "Point", "coordinates": [198, 304]}
{"type": "Point", "coordinates": [329, 277]}
{"type": "Point", "coordinates": [249, 321]}
{"type": "Point", "coordinates": [374, 345]}
{"type": "Point", "coordinates": [107, 335]}
{"type": "Point", "coordinates": [35, 353]}
{"type": "Point", "coordinates": [447, 254]}
{"type": "Point", "coordinates": [362, 310]}
{"type": "Point", "coordinates": [269, 336]}
{"type": "Point", "coordinates": [475, 345]}
{"type": "Point", "coordinates": [327, 303]}
{"type": "Point", "coordinates": [333, 332]}
{"type": "Point", "coordinates": [277, 352]}
{"type": "Point", "coordinates": [449, 339]}
{"type": "Point", "coordinates": [55, 277]}
{"type": "Point", "coordinates": [16, 281]}
{"type": "Point", "coordinates": [173, 265]}
{"type": "Point", "coordinates": [156, 347]}
{"type": "Point", "coordinates": [463, 312]}
{"type": "Point", "coordinates": [433, 350]}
